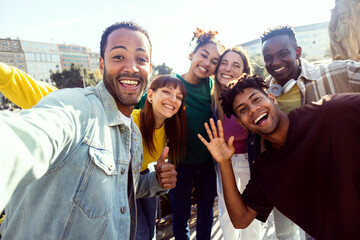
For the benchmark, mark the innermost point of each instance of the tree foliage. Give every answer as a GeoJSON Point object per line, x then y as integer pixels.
{"type": "Point", "coordinates": [258, 65]}
{"type": "Point", "coordinates": [162, 69]}
{"type": "Point", "coordinates": [75, 77]}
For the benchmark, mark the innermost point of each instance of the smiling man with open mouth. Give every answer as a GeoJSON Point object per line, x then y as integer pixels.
{"type": "Point", "coordinates": [308, 159]}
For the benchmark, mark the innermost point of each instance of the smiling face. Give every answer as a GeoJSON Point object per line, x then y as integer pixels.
{"type": "Point", "coordinates": [126, 67]}
{"type": "Point", "coordinates": [281, 58]}
{"type": "Point", "coordinates": [257, 112]}
{"type": "Point", "coordinates": [165, 101]}
{"type": "Point", "coordinates": [204, 60]}
{"type": "Point", "coordinates": [230, 67]}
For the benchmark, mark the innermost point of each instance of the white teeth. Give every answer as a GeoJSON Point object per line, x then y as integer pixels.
{"type": "Point", "coordinates": [226, 76]}
{"type": "Point", "coordinates": [131, 82]}
{"type": "Point", "coordinates": [168, 106]}
{"type": "Point", "coordinates": [279, 70]}
{"type": "Point", "coordinates": [260, 117]}
{"type": "Point", "coordinates": [202, 69]}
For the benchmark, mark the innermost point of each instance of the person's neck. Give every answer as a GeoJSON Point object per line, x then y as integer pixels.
{"type": "Point", "coordinates": [278, 138]}
{"type": "Point", "coordinates": [294, 76]}
{"type": "Point", "coordinates": [159, 122]}
{"type": "Point", "coordinates": [191, 78]}
{"type": "Point", "coordinates": [126, 110]}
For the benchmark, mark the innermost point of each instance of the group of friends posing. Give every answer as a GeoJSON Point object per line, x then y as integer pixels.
{"type": "Point", "coordinates": [82, 169]}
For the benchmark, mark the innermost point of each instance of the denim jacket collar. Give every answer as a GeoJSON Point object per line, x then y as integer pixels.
{"type": "Point", "coordinates": [111, 110]}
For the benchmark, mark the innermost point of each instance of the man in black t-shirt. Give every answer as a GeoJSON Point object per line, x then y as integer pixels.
{"type": "Point", "coordinates": [311, 168]}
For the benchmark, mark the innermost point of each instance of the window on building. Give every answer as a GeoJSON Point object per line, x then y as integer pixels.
{"type": "Point", "coordinates": [30, 56]}
{"type": "Point", "coordinates": [55, 58]}
{"type": "Point", "coordinates": [25, 45]}
{"type": "Point", "coordinates": [38, 57]}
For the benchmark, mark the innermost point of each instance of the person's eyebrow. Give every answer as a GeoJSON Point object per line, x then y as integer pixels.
{"type": "Point", "coordinates": [141, 49]}
{"type": "Point", "coordinates": [123, 47]}
{"type": "Point", "coordinates": [205, 51]}
{"type": "Point", "coordinates": [120, 46]}
{"type": "Point", "coordinates": [242, 103]}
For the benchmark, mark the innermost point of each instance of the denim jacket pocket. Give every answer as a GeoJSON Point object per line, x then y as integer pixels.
{"type": "Point", "coordinates": [94, 192]}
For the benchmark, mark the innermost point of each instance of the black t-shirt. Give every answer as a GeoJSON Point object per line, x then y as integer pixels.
{"type": "Point", "coordinates": [314, 179]}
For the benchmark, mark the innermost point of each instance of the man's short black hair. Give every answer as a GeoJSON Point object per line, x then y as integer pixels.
{"type": "Point", "coordinates": [118, 25]}
{"type": "Point", "coordinates": [277, 31]}
{"type": "Point", "coordinates": [234, 87]}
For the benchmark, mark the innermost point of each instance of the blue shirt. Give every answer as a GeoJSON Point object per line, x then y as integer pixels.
{"type": "Point", "coordinates": [65, 164]}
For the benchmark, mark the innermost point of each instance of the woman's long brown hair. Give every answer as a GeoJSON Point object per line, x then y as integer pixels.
{"type": "Point", "coordinates": [175, 127]}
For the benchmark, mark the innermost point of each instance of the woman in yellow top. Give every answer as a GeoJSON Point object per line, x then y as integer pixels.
{"type": "Point", "coordinates": [165, 124]}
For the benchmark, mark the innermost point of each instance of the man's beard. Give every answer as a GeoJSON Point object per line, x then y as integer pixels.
{"type": "Point", "coordinates": [109, 82]}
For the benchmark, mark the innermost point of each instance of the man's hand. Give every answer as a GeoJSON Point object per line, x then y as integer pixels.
{"type": "Point", "coordinates": [219, 149]}
{"type": "Point", "coordinates": [165, 172]}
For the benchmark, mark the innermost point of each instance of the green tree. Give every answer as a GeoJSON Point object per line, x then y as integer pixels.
{"type": "Point", "coordinates": [162, 69]}
{"type": "Point", "coordinates": [258, 65]}
{"type": "Point", "coordinates": [75, 77]}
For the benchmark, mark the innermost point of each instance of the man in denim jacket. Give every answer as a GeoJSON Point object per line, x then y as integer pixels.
{"type": "Point", "coordinates": [70, 165]}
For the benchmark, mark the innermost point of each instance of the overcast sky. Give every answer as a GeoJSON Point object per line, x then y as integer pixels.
{"type": "Point", "coordinates": [170, 23]}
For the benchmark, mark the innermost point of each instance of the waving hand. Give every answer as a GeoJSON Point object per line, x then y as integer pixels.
{"type": "Point", "coordinates": [219, 149]}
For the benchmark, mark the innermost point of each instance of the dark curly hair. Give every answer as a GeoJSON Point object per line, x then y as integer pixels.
{"type": "Point", "coordinates": [234, 87]}
{"type": "Point", "coordinates": [116, 26]}
{"type": "Point", "coordinates": [202, 37]}
{"type": "Point", "coordinates": [277, 31]}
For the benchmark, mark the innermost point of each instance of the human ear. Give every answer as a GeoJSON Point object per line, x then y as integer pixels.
{"type": "Point", "coordinates": [298, 52]}
{"type": "Point", "coordinates": [150, 71]}
{"type": "Point", "coordinates": [191, 55]}
{"type": "Point", "coordinates": [101, 65]}
{"type": "Point", "coordinates": [272, 98]}
{"type": "Point", "coordinates": [150, 95]}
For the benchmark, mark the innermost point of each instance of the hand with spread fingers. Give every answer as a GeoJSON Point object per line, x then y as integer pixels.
{"type": "Point", "coordinates": [165, 172]}
{"type": "Point", "coordinates": [219, 149]}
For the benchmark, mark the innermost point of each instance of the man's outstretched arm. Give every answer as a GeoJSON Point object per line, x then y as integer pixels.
{"type": "Point", "coordinates": [240, 214]}
{"type": "Point", "coordinates": [20, 88]}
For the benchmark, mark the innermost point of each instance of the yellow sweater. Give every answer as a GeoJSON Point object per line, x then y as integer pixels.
{"type": "Point", "coordinates": [20, 88]}
{"type": "Point", "coordinates": [25, 92]}
{"type": "Point", "coordinates": [159, 142]}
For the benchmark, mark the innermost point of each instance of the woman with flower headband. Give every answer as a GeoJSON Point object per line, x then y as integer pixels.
{"type": "Point", "coordinates": [196, 169]}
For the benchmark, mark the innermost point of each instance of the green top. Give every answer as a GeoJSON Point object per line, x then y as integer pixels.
{"type": "Point", "coordinates": [198, 111]}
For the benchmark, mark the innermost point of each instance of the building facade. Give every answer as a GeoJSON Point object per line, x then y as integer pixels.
{"type": "Point", "coordinates": [12, 54]}
{"type": "Point", "coordinates": [41, 59]}
{"type": "Point", "coordinates": [72, 54]}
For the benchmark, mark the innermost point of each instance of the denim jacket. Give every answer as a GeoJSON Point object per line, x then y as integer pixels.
{"type": "Point", "coordinates": [72, 169]}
